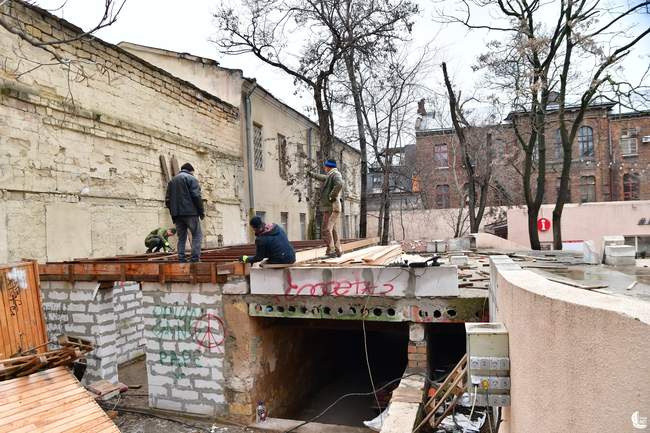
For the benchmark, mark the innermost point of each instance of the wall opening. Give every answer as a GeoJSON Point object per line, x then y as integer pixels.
{"type": "Point", "coordinates": [318, 361]}
{"type": "Point", "coordinates": [446, 346]}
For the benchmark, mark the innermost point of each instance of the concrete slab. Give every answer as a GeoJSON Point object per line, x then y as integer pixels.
{"type": "Point", "coordinates": [281, 425]}
{"type": "Point", "coordinates": [350, 281]}
{"type": "Point", "coordinates": [401, 417]}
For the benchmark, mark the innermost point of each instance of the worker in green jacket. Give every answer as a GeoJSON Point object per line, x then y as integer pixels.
{"type": "Point", "coordinates": [159, 239]}
{"type": "Point", "coordinates": [330, 205]}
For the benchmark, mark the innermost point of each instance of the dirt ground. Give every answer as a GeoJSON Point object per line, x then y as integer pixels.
{"type": "Point", "coordinates": [135, 400]}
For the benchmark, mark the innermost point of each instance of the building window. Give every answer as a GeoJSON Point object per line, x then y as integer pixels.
{"type": "Point", "coordinates": [258, 147]}
{"type": "Point", "coordinates": [301, 156]}
{"type": "Point", "coordinates": [587, 189]}
{"type": "Point", "coordinates": [377, 180]}
{"type": "Point", "coordinates": [628, 142]}
{"type": "Point", "coordinates": [261, 214]}
{"type": "Point", "coordinates": [442, 196]}
{"type": "Point", "coordinates": [558, 145]}
{"type": "Point", "coordinates": [284, 221]}
{"type": "Point", "coordinates": [586, 142]}
{"type": "Point", "coordinates": [567, 199]}
{"type": "Point", "coordinates": [303, 226]}
{"type": "Point", "coordinates": [631, 186]}
{"type": "Point", "coordinates": [441, 156]}
{"type": "Point", "coordinates": [356, 226]}
{"type": "Point", "coordinates": [499, 150]}
{"type": "Point", "coordinates": [283, 158]}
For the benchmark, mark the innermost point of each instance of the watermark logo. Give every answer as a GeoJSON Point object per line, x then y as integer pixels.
{"type": "Point", "coordinates": [639, 422]}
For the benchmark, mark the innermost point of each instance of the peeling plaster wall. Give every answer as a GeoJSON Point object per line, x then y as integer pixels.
{"type": "Point", "coordinates": [79, 158]}
{"type": "Point", "coordinates": [579, 357]}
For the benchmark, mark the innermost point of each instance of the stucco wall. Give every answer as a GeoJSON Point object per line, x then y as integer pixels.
{"type": "Point", "coordinates": [273, 194]}
{"type": "Point", "coordinates": [579, 359]}
{"type": "Point", "coordinates": [587, 221]}
{"type": "Point", "coordinates": [427, 223]}
{"type": "Point", "coordinates": [80, 172]}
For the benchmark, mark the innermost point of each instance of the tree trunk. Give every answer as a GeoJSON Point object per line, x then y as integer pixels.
{"type": "Point", "coordinates": [354, 87]}
{"type": "Point", "coordinates": [533, 235]}
{"type": "Point", "coordinates": [324, 133]}
{"type": "Point", "coordinates": [561, 197]}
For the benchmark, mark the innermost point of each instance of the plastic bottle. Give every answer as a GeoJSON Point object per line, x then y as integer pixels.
{"type": "Point", "coordinates": [261, 412]}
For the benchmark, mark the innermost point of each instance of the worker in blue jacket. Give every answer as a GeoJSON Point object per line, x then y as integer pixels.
{"type": "Point", "coordinates": [271, 243]}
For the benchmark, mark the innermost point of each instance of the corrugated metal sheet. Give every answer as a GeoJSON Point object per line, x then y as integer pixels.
{"type": "Point", "coordinates": [51, 401]}
{"type": "Point", "coordinates": [22, 325]}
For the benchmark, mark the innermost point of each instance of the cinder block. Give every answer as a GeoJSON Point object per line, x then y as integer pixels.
{"type": "Point", "coordinates": [83, 318]}
{"type": "Point", "coordinates": [211, 385]}
{"type": "Point", "coordinates": [159, 380]}
{"type": "Point", "coordinates": [210, 300]}
{"type": "Point", "coordinates": [202, 409]}
{"type": "Point", "coordinates": [416, 332]}
{"type": "Point", "coordinates": [620, 251]}
{"type": "Point", "coordinates": [214, 396]}
{"type": "Point", "coordinates": [185, 394]}
{"type": "Point", "coordinates": [81, 295]}
{"type": "Point", "coordinates": [158, 391]}
{"type": "Point", "coordinates": [165, 404]}
{"type": "Point", "coordinates": [620, 260]}
{"type": "Point", "coordinates": [235, 288]}
{"type": "Point", "coordinates": [458, 260]}
{"type": "Point", "coordinates": [55, 295]}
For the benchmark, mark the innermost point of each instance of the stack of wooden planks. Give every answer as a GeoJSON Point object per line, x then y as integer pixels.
{"type": "Point", "coordinates": [376, 255]}
{"type": "Point", "coordinates": [71, 349]}
{"type": "Point", "coordinates": [50, 401]}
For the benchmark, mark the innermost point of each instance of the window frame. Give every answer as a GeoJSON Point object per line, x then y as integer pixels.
{"type": "Point", "coordinates": [631, 189]}
{"type": "Point", "coordinates": [583, 186]}
{"type": "Point", "coordinates": [283, 156]}
{"type": "Point", "coordinates": [442, 197]}
{"type": "Point", "coordinates": [436, 160]}
{"type": "Point", "coordinates": [258, 147]}
{"type": "Point", "coordinates": [586, 140]}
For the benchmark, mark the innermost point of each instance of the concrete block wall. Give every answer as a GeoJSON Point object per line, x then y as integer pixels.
{"type": "Point", "coordinates": [127, 305]}
{"type": "Point", "coordinates": [184, 335]}
{"type": "Point", "coordinates": [83, 310]}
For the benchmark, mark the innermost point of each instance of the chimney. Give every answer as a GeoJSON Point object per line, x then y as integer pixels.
{"type": "Point", "coordinates": [421, 110]}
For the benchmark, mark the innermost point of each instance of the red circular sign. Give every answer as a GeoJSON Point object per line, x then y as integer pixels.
{"type": "Point", "coordinates": [543, 225]}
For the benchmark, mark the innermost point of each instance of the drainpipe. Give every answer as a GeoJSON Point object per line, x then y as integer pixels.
{"type": "Point", "coordinates": [248, 119]}
{"type": "Point", "coordinates": [611, 157]}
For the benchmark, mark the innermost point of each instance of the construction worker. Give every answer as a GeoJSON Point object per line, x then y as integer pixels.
{"type": "Point", "coordinates": [159, 239]}
{"type": "Point", "coordinates": [183, 199]}
{"type": "Point", "coordinates": [330, 205]}
{"type": "Point", "coordinates": [270, 243]}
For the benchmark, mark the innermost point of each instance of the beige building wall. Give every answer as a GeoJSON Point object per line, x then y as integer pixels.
{"type": "Point", "coordinates": [273, 195]}
{"type": "Point", "coordinates": [586, 221]}
{"type": "Point", "coordinates": [80, 172]}
{"type": "Point", "coordinates": [578, 359]}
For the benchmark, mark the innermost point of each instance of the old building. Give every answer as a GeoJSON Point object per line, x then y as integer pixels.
{"type": "Point", "coordinates": [279, 142]}
{"type": "Point", "coordinates": [83, 126]}
{"type": "Point", "coordinates": [611, 160]}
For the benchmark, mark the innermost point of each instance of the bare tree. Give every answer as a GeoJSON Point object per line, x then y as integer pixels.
{"type": "Point", "coordinates": [530, 65]}
{"type": "Point", "coordinates": [74, 67]}
{"type": "Point", "coordinates": [478, 170]}
{"type": "Point", "coordinates": [388, 91]}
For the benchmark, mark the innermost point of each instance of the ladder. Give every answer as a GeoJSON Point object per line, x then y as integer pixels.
{"type": "Point", "coordinates": [449, 392]}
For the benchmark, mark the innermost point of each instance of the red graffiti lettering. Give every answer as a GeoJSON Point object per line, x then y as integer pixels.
{"type": "Point", "coordinates": [208, 331]}
{"type": "Point", "coordinates": [336, 288]}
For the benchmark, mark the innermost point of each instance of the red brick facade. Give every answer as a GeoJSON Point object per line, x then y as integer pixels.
{"type": "Point", "coordinates": [610, 161]}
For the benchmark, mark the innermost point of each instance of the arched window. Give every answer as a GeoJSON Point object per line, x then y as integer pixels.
{"type": "Point", "coordinates": [586, 142]}
{"type": "Point", "coordinates": [631, 186]}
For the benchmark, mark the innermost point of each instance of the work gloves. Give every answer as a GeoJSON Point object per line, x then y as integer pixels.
{"type": "Point", "coordinates": [244, 259]}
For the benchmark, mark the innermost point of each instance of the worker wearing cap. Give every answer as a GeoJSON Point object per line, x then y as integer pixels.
{"type": "Point", "coordinates": [159, 239]}
{"type": "Point", "coordinates": [330, 205]}
{"type": "Point", "coordinates": [271, 243]}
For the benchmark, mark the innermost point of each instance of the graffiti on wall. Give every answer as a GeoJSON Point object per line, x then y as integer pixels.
{"type": "Point", "coordinates": [187, 324]}
{"type": "Point", "coordinates": [342, 287]}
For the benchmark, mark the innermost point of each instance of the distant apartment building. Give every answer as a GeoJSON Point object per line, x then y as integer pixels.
{"type": "Point", "coordinates": [279, 144]}
{"type": "Point", "coordinates": [611, 159]}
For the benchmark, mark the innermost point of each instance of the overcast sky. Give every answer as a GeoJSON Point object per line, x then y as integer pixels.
{"type": "Point", "coordinates": [188, 27]}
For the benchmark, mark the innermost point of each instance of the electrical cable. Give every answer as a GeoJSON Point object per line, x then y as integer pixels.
{"type": "Point", "coordinates": [365, 347]}
{"type": "Point", "coordinates": [154, 415]}
{"type": "Point", "coordinates": [473, 403]}
{"type": "Point", "coordinates": [353, 394]}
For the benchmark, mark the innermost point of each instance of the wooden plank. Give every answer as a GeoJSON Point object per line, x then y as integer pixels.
{"type": "Point", "coordinates": [165, 169]}
{"type": "Point", "coordinates": [314, 253]}
{"type": "Point", "coordinates": [175, 167]}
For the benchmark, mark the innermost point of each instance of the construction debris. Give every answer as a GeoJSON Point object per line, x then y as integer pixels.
{"type": "Point", "coordinates": [71, 349]}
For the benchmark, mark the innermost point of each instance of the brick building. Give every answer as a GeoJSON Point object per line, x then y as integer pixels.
{"type": "Point", "coordinates": [610, 163]}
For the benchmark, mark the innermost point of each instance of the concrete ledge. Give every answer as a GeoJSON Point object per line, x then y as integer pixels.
{"type": "Point", "coordinates": [280, 425]}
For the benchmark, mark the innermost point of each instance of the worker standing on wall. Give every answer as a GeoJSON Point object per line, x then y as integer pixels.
{"type": "Point", "coordinates": [158, 240]}
{"type": "Point", "coordinates": [330, 205]}
{"type": "Point", "coordinates": [271, 243]}
{"type": "Point", "coordinates": [183, 199]}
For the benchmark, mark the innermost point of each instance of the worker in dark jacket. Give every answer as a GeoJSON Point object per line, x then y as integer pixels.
{"type": "Point", "coordinates": [186, 208]}
{"type": "Point", "coordinates": [270, 243]}
{"type": "Point", "coordinates": [158, 240]}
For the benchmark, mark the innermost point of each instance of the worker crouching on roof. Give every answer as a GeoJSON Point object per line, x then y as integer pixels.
{"type": "Point", "coordinates": [158, 240]}
{"type": "Point", "coordinates": [330, 205]}
{"type": "Point", "coordinates": [270, 243]}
